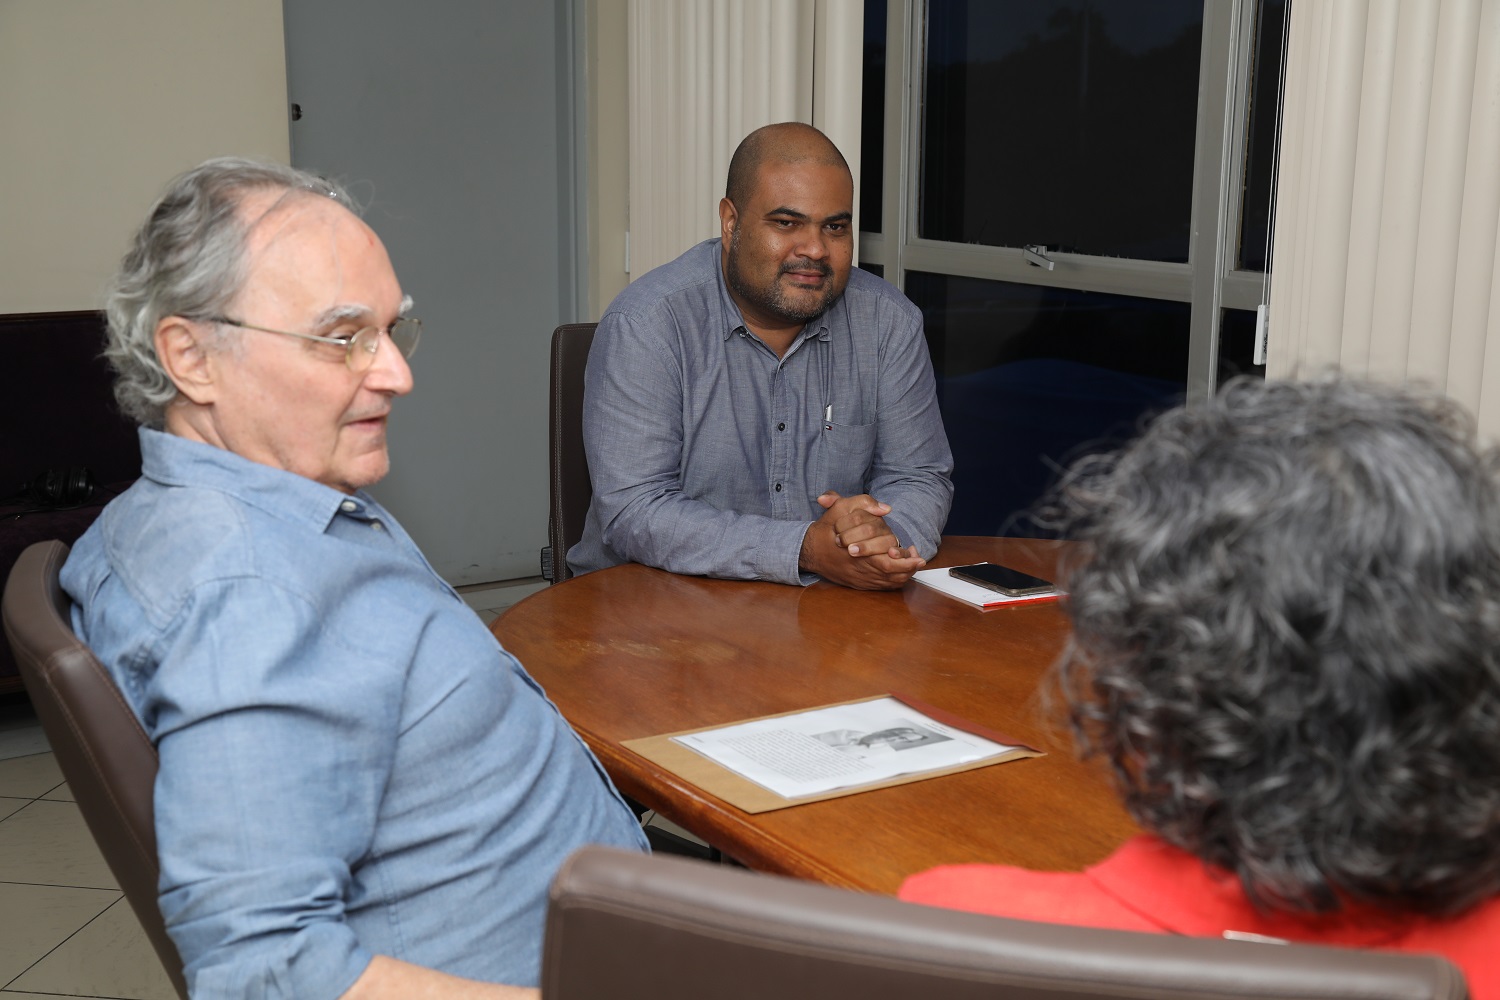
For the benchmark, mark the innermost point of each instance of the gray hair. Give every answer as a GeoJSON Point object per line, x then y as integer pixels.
{"type": "Point", "coordinates": [188, 259]}
{"type": "Point", "coordinates": [1286, 641]}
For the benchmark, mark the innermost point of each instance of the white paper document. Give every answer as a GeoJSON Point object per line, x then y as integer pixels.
{"type": "Point", "coordinates": [809, 753]}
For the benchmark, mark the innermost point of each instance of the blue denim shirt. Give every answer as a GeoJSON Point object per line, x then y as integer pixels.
{"type": "Point", "coordinates": [350, 763]}
{"type": "Point", "coordinates": [708, 452]}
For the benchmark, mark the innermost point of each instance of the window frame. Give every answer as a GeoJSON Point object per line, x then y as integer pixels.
{"type": "Point", "coordinates": [1209, 281]}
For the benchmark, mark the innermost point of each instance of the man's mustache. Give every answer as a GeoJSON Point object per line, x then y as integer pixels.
{"type": "Point", "coordinates": [808, 264]}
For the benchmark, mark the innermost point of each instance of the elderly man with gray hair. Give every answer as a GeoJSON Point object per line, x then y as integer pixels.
{"type": "Point", "coordinates": [361, 794]}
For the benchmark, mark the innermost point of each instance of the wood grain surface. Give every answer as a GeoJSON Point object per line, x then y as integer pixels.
{"type": "Point", "coordinates": [629, 652]}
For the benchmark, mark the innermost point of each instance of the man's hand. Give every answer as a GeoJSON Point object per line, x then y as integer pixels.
{"type": "Point", "coordinates": [851, 545]}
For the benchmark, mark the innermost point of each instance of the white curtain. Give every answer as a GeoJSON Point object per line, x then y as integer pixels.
{"type": "Point", "coordinates": [1389, 202]}
{"type": "Point", "coordinates": [703, 74]}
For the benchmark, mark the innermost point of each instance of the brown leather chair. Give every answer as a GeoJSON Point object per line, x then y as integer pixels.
{"type": "Point", "coordinates": [104, 753]}
{"type": "Point", "coordinates": [630, 926]}
{"type": "Point", "coordinates": [568, 483]}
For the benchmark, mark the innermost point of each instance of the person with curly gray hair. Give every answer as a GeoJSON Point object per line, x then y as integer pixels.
{"type": "Point", "coordinates": [1286, 646]}
{"type": "Point", "coordinates": [360, 794]}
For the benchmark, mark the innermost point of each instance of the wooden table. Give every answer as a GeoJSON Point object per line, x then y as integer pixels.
{"type": "Point", "coordinates": [629, 652]}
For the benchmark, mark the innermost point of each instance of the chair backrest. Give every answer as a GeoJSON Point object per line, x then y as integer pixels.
{"type": "Point", "coordinates": [104, 753]}
{"type": "Point", "coordinates": [568, 468]}
{"type": "Point", "coordinates": [630, 926]}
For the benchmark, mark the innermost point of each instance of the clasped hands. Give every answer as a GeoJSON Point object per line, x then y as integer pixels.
{"type": "Point", "coordinates": [851, 545]}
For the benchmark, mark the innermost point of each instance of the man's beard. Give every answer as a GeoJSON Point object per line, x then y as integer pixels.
{"type": "Point", "coordinates": [773, 298]}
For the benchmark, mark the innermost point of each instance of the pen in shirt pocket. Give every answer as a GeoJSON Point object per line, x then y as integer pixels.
{"type": "Point", "coordinates": [828, 417]}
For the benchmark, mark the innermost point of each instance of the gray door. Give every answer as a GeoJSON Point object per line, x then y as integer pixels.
{"type": "Point", "coordinates": [449, 122]}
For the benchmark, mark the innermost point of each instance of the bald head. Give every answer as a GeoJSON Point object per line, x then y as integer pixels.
{"type": "Point", "coordinates": [786, 142]}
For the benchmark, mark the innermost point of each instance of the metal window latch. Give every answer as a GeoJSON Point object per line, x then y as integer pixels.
{"type": "Point", "coordinates": [1036, 254]}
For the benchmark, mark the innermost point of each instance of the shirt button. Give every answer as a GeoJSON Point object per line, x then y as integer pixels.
{"type": "Point", "coordinates": [377, 526]}
{"type": "Point", "coordinates": [778, 487]}
{"type": "Point", "coordinates": [348, 506]}
{"type": "Point", "coordinates": [781, 426]}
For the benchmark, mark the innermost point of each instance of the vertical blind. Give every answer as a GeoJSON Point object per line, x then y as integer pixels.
{"type": "Point", "coordinates": [703, 74]}
{"type": "Point", "coordinates": [1389, 202]}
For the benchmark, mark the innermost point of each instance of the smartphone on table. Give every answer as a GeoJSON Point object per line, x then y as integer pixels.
{"type": "Point", "coordinates": [1003, 580]}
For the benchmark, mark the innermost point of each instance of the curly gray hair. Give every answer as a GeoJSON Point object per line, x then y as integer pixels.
{"type": "Point", "coordinates": [1286, 641]}
{"type": "Point", "coordinates": [188, 259]}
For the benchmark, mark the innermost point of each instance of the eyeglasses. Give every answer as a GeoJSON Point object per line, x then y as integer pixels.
{"type": "Point", "coordinates": [359, 347]}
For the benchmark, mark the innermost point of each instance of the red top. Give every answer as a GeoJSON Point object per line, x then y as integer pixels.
{"type": "Point", "coordinates": [1148, 885]}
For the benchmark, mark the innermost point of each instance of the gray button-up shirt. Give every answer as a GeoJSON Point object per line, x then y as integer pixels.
{"type": "Point", "coordinates": [708, 452]}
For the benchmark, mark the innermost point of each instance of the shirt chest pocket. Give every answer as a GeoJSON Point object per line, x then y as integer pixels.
{"type": "Point", "coordinates": [845, 452]}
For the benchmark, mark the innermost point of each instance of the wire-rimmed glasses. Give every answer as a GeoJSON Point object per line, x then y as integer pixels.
{"type": "Point", "coordinates": [359, 347]}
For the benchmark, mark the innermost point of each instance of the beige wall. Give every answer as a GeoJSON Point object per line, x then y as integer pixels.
{"type": "Point", "coordinates": [101, 102]}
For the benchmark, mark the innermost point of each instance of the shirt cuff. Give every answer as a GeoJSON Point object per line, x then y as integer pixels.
{"type": "Point", "coordinates": [905, 535]}
{"type": "Point", "coordinates": [324, 967]}
{"type": "Point", "coordinates": [780, 551]}
{"type": "Point", "coordinates": [803, 577]}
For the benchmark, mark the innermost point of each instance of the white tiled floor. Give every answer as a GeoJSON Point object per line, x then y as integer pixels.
{"type": "Point", "coordinates": [65, 927]}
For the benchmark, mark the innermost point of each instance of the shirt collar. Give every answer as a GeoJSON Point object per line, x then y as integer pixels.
{"type": "Point", "coordinates": [177, 461]}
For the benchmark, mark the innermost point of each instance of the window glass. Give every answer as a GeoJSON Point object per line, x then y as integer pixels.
{"type": "Point", "coordinates": [872, 119]}
{"type": "Point", "coordinates": [876, 269]}
{"type": "Point", "coordinates": [1260, 145]}
{"type": "Point", "coordinates": [1030, 377]}
{"type": "Point", "coordinates": [1061, 122]}
{"type": "Point", "coordinates": [1237, 345]}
